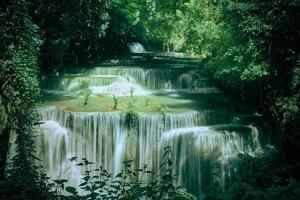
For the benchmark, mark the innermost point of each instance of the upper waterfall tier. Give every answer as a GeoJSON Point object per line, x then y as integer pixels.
{"type": "Point", "coordinates": [154, 78]}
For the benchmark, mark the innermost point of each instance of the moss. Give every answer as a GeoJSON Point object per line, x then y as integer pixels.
{"type": "Point", "coordinates": [181, 102]}
{"type": "Point", "coordinates": [183, 194]}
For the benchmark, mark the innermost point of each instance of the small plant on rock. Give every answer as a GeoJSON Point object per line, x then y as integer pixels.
{"type": "Point", "coordinates": [147, 102]}
{"type": "Point", "coordinates": [86, 98]}
{"type": "Point", "coordinates": [131, 116]}
{"type": "Point", "coordinates": [163, 109]}
{"type": "Point", "coordinates": [116, 102]}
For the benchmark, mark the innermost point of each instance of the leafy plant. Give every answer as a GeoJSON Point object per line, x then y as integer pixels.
{"type": "Point", "coordinates": [116, 103]}
{"type": "Point", "coordinates": [131, 116]}
{"type": "Point", "coordinates": [147, 102]}
{"type": "Point", "coordinates": [286, 109]}
{"type": "Point", "coordinates": [262, 178]}
{"type": "Point", "coordinates": [86, 98]}
{"type": "Point", "coordinates": [163, 109]}
{"type": "Point", "coordinates": [127, 185]}
{"type": "Point", "coordinates": [20, 91]}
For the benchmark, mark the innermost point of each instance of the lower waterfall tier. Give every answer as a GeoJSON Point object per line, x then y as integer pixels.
{"type": "Point", "coordinates": [75, 121]}
{"type": "Point", "coordinates": [106, 140]}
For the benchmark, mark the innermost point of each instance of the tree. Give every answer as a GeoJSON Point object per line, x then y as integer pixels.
{"type": "Point", "coordinates": [20, 91]}
{"type": "Point", "coordinates": [70, 28]}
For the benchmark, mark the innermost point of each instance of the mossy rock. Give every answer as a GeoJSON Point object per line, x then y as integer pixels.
{"type": "Point", "coordinates": [183, 194]}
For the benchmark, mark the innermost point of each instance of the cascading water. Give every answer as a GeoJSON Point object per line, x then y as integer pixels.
{"type": "Point", "coordinates": [208, 153]}
{"type": "Point", "coordinates": [121, 87]}
{"type": "Point", "coordinates": [196, 125]}
{"type": "Point", "coordinates": [136, 47]}
{"type": "Point", "coordinates": [150, 78]}
{"type": "Point", "coordinates": [73, 83]}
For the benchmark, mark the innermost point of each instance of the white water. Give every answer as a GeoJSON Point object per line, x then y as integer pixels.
{"type": "Point", "coordinates": [53, 146]}
{"type": "Point", "coordinates": [150, 78]}
{"type": "Point", "coordinates": [197, 150]}
{"type": "Point", "coordinates": [54, 140]}
{"type": "Point", "coordinates": [121, 87]}
{"type": "Point", "coordinates": [136, 47]}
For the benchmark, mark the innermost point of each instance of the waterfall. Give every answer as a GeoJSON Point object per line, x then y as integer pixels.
{"type": "Point", "coordinates": [203, 133]}
{"type": "Point", "coordinates": [157, 78]}
{"type": "Point", "coordinates": [121, 87]}
{"type": "Point", "coordinates": [54, 140]}
{"type": "Point", "coordinates": [154, 78]}
{"type": "Point", "coordinates": [136, 47]}
{"type": "Point", "coordinates": [104, 139]}
{"type": "Point", "coordinates": [73, 83]}
{"type": "Point", "coordinates": [205, 154]}
{"type": "Point", "coordinates": [98, 137]}
{"type": "Point", "coordinates": [169, 121]}
{"type": "Point", "coordinates": [93, 136]}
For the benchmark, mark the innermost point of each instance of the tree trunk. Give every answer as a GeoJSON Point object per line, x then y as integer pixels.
{"type": "Point", "coordinates": [4, 145]}
{"type": "Point", "coordinates": [4, 136]}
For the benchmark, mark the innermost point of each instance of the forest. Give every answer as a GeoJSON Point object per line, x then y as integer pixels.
{"type": "Point", "coordinates": [149, 99]}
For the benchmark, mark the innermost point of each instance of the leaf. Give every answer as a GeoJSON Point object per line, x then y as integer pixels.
{"type": "Point", "coordinates": [88, 162]}
{"type": "Point", "coordinates": [82, 184]}
{"type": "Point", "coordinates": [73, 158]}
{"type": "Point", "coordinates": [162, 164]}
{"type": "Point", "coordinates": [59, 182]}
{"type": "Point", "coordinates": [71, 190]}
{"type": "Point", "coordinates": [86, 178]}
{"type": "Point", "coordinates": [95, 177]}
{"type": "Point", "coordinates": [119, 175]}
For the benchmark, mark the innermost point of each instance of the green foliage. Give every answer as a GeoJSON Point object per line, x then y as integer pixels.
{"type": "Point", "coordinates": [116, 103]}
{"type": "Point", "coordinates": [263, 178]}
{"type": "Point", "coordinates": [150, 21]}
{"type": "Point", "coordinates": [248, 45]}
{"type": "Point", "coordinates": [163, 109]}
{"type": "Point", "coordinates": [71, 28]}
{"type": "Point", "coordinates": [131, 116]}
{"type": "Point", "coordinates": [148, 102]}
{"type": "Point", "coordinates": [214, 39]}
{"type": "Point", "coordinates": [3, 116]}
{"type": "Point", "coordinates": [86, 98]}
{"type": "Point", "coordinates": [98, 184]}
{"type": "Point", "coordinates": [20, 92]}
{"type": "Point", "coordinates": [183, 194]}
{"type": "Point", "coordinates": [286, 109]}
